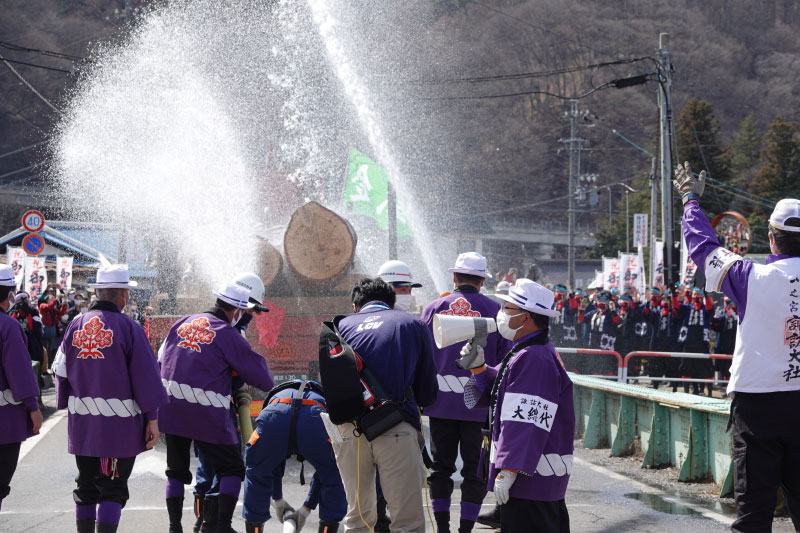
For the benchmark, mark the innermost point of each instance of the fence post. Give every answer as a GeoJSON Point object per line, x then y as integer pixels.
{"type": "Point", "coordinates": [695, 467]}
{"type": "Point", "coordinates": [658, 448]}
{"type": "Point", "coordinates": [626, 428]}
{"type": "Point", "coordinates": [596, 433]}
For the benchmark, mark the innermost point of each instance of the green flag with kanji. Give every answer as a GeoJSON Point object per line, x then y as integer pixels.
{"type": "Point", "coordinates": [366, 193]}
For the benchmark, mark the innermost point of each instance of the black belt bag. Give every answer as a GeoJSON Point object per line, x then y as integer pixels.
{"type": "Point", "coordinates": [379, 420]}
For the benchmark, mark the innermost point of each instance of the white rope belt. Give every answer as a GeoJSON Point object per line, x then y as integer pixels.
{"type": "Point", "coordinates": [452, 383]}
{"type": "Point", "coordinates": [6, 398]}
{"type": "Point", "coordinates": [103, 406]}
{"type": "Point", "coordinates": [182, 391]}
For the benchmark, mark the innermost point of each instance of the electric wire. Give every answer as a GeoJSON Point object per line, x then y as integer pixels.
{"type": "Point", "coordinates": [358, 483]}
{"type": "Point", "coordinates": [18, 150]}
{"type": "Point", "coordinates": [526, 93]}
{"type": "Point", "coordinates": [28, 85]}
{"type": "Point", "coordinates": [37, 66]}
{"type": "Point", "coordinates": [50, 53]}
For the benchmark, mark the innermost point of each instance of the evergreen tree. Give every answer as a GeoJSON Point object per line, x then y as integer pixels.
{"type": "Point", "coordinates": [698, 129]}
{"type": "Point", "coordinates": [745, 151]}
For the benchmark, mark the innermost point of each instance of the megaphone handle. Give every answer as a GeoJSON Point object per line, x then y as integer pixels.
{"type": "Point", "coordinates": [481, 334]}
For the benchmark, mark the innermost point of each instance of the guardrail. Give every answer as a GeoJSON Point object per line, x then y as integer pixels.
{"type": "Point", "coordinates": [667, 428]}
{"type": "Point", "coordinates": [680, 355]}
{"type": "Point", "coordinates": [587, 351]}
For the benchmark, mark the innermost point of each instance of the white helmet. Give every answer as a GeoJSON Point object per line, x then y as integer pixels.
{"type": "Point", "coordinates": [397, 272]}
{"type": "Point", "coordinates": [255, 286]}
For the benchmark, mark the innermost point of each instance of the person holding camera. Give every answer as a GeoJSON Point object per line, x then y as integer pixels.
{"type": "Point", "coordinates": [398, 350]}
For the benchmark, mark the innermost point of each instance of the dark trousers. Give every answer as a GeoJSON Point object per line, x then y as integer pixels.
{"type": "Point", "coordinates": [447, 436]}
{"type": "Point", "coordinates": [225, 459]}
{"type": "Point", "coordinates": [9, 454]}
{"type": "Point", "coordinates": [530, 516]}
{"type": "Point", "coordinates": [94, 486]}
{"type": "Point", "coordinates": [766, 455]}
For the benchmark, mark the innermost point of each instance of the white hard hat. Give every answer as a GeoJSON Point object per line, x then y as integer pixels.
{"type": "Point", "coordinates": [397, 272]}
{"type": "Point", "coordinates": [254, 285]}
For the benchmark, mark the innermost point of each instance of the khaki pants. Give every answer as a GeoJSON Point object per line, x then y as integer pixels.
{"type": "Point", "coordinates": [397, 456]}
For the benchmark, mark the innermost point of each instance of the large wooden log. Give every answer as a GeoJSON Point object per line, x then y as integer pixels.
{"type": "Point", "coordinates": [319, 246]}
{"type": "Point", "coordinates": [269, 262]}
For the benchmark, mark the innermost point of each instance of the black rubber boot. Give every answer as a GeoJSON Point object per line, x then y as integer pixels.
{"type": "Point", "coordinates": [105, 527]}
{"type": "Point", "coordinates": [85, 526]}
{"type": "Point", "coordinates": [442, 521]}
{"type": "Point", "coordinates": [209, 515]}
{"type": "Point", "coordinates": [491, 518]}
{"type": "Point", "coordinates": [465, 526]}
{"type": "Point", "coordinates": [328, 527]}
{"type": "Point", "coordinates": [383, 522]}
{"type": "Point", "coordinates": [226, 505]}
{"type": "Point", "coordinates": [175, 511]}
{"type": "Point", "coordinates": [198, 513]}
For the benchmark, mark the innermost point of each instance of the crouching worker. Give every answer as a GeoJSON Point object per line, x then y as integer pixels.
{"type": "Point", "coordinates": [290, 424]}
{"type": "Point", "coordinates": [531, 414]}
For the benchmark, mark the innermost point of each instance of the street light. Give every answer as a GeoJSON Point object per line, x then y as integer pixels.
{"type": "Point", "coordinates": [628, 190]}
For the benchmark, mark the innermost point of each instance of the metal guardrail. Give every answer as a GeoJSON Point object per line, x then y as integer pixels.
{"type": "Point", "coordinates": [587, 351]}
{"type": "Point", "coordinates": [668, 428]}
{"type": "Point", "coordinates": [678, 355]}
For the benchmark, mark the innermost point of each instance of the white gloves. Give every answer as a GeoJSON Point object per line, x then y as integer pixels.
{"type": "Point", "coordinates": [502, 485]}
{"type": "Point", "coordinates": [686, 183]}
{"type": "Point", "coordinates": [299, 517]}
{"type": "Point", "coordinates": [471, 356]}
{"type": "Point", "coordinates": [279, 507]}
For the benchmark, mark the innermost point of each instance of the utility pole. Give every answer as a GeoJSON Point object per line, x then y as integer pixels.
{"type": "Point", "coordinates": [653, 214]}
{"type": "Point", "coordinates": [575, 144]}
{"type": "Point", "coordinates": [665, 147]}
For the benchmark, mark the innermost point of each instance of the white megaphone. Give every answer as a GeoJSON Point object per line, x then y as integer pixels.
{"type": "Point", "coordinates": [449, 329]}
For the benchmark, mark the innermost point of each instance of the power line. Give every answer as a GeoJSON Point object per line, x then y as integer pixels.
{"type": "Point", "coordinates": [28, 85]}
{"type": "Point", "coordinates": [13, 172]}
{"type": "Point", "coordinates": [37, 66]}
{"type": "Point", "coordinates": [59, 55]}
{"type": "Point", "coordinates": [526, 93]}
{"type": "Point", "coordinates": [18, 150]}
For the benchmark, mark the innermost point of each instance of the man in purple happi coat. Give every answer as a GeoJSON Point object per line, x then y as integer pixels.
{"type": "Point", "coordinates": [199, 356]}
{"type": "Point", "coordinates": [531, 414]}
{"type": "Point", "coordinates": [107, 378]}
{"type": "Point", "coordinates": [20, 417]}
{"type": "Point", "coordinates": [453, 426]}
{"type": "Point", "coordinates": [765, 373]}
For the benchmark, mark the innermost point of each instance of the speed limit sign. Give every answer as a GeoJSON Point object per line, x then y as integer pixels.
{"type": "Point", "coordinates": [33, 221]}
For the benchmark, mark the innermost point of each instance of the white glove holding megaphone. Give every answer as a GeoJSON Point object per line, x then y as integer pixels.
{"type": "Point", "coordinates": [471, 356]}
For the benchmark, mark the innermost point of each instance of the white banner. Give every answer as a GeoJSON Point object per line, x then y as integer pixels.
{"type": "Point", "coordinates": [657, 268]}
{"type": "Point", "coordinates": [16, 258]}
{"type": "Point", "coordinates": [610, 273]}
{"type": "Point", "coordinates": [630, 271]}
{"type": "Point", "coordinates": [688, 268]}
{"type": "Point", "coordinates": [640, 230]}
{"type": "Point", "coordinates": [64, 272]}
{"type": "Point", "coordinates": [597, 283]}
{"type": "Point", "coordinates": [35, 277]}
{"type": "Point", "coordinates": [641, 281]}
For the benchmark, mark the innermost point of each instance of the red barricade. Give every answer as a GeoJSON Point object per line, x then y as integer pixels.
{"type": "Point", "coordinates": [684, 355]}
{"type": "Point", "coordinates": [587, 351]}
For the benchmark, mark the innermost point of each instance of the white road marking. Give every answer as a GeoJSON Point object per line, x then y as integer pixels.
{"type": "Point", "coordinates": [650, 490]}
{"type": "Point", "coordinates": [49, 424]}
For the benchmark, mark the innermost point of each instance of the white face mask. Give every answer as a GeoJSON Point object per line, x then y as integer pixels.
{"type": "Point", "coordinates": [236, 318]}
{"type": "Point", "coordinates": [503, 328]}
{"type": "Point", "coordinates": [402, 302]}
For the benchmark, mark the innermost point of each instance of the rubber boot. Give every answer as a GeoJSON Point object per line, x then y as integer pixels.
{"type": "Point", "coordinates": [209, 515]}
{"type": "Point", "coordinates": [198, 513]}
{"type": "Point", "coordinates": [465, 526]}
{"type": "Point", "coordinates": [328, 527]}
{"type": "Point", "coordinates": [105, 527]}
{"type": "Point", "coordinates": [442, 521]}
{"type": "Point", "coordinates": [490, 518]}
{"type": "Point", "coordinates": [85, 526]}
{"type": "Point", "coordinates": [175, 511]}
{"type": "Point", "coordinates": [226, 505]}
{"type": "Point", "coordinates": [383, 522]}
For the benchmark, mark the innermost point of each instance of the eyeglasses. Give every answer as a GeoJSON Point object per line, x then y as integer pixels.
{"type": "Point", "coordinates": [507, 308]}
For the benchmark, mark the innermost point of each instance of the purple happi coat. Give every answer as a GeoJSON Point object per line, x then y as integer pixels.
{"type": "Point", "coordinates": [464, 301]}
{"type": "Point", "coordinates": [107, 378]}
{"type": "Point", "coordinates": [532, 419]}
{"type": "Point", "coordinates": [198, 357]}
{"type": "Point", "coordinates": [18, 390]}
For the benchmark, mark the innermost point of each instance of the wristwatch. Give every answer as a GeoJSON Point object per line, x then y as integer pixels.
{"type": "Point", "coordinates": [688, 197]}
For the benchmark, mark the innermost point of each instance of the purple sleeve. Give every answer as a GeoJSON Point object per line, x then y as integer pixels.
{"type": "Point", "coordinates": [250, 365]}
{"type": "Point", "coordinates": [32, 403]}
{"type": "Point", "coordinates": [701, 240]}
{"type": "Point", "coordinates": [148, 391]}
{"type": "Point", "coordinates": [62, 392]}
{"type": "Point", "coordinates": [151, 415]}
{"type": "Point", "coordinates": [479, 387]}
{"type": "Point", "coordinates": [17, 363]}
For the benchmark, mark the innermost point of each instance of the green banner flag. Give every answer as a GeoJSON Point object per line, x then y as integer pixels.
{"type": "Point", "coordinates": [366, 193]}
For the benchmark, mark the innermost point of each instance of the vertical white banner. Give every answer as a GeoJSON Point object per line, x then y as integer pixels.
{"type": "Point", "coordinates": [16, 259]}
{"type": "Point", "coordinates": [657, 267]}
{"type": "Point", "coordinates": [64, 272]}
{"type": "Point", "coordinates": [640, 230]}
{"type": "Point", "coordinates": [630, 271]}
{"type": "Point", "coordinates": [688, 268]}
{"type": "Point", "coordinates": [611, 273]}
{"type": "Point", "coordinates": [35, 277]}
{"type": "Point", "coordinates": [641, 283]}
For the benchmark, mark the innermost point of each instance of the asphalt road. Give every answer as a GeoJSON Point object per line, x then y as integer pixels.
{"type": "Point", "coordinates": [598, 499]}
